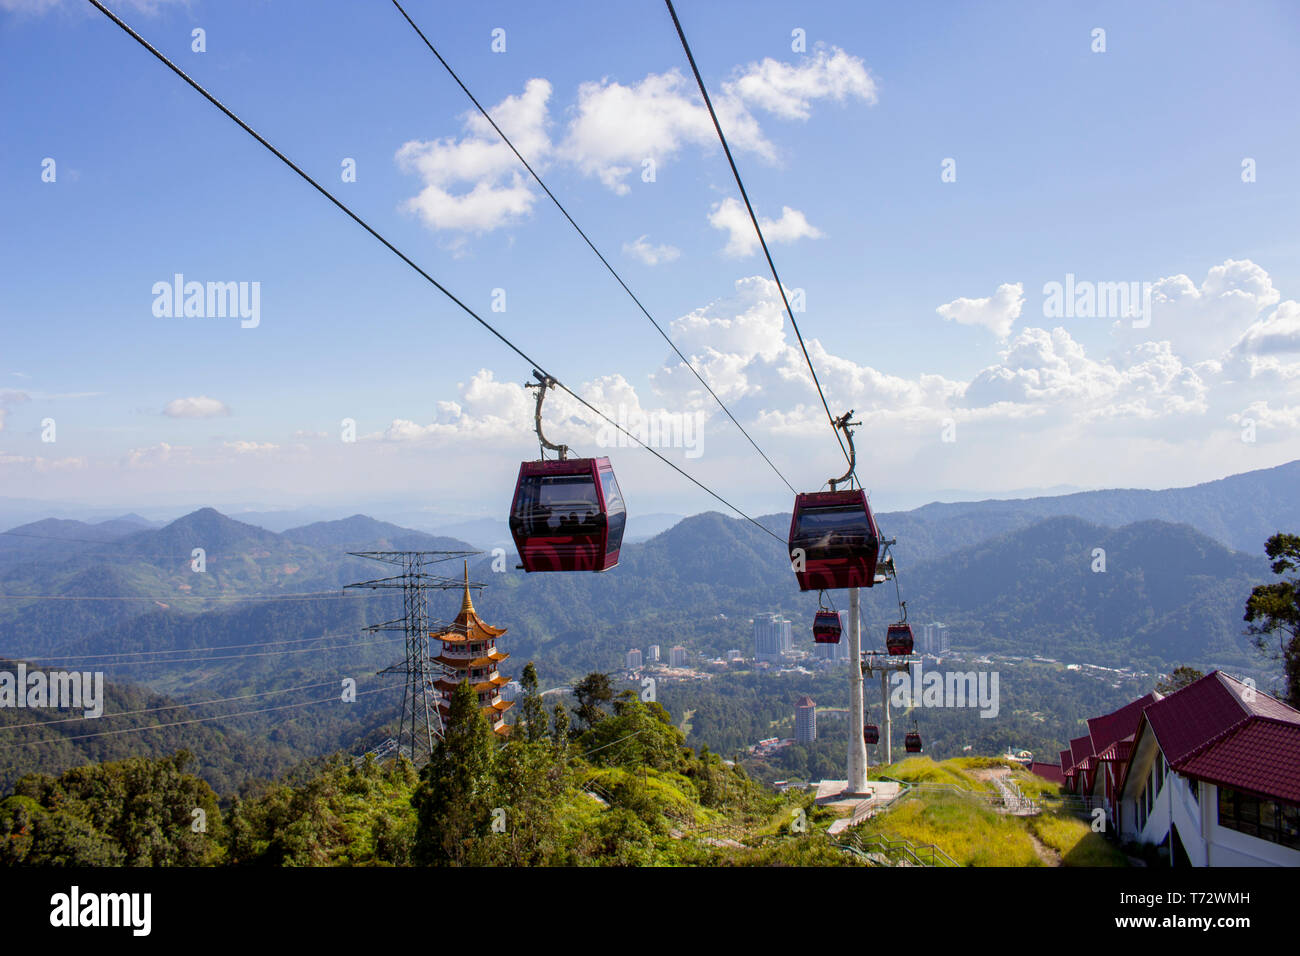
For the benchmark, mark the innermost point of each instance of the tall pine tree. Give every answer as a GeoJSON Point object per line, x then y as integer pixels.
{"type": "Point", "coordinates": [453, 802]}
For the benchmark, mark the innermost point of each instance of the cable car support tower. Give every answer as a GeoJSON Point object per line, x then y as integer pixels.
{"type": "Point", "coordinates": [869, 663]}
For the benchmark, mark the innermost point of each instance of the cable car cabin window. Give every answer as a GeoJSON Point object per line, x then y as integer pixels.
{"type": "Point", "coordinates": [558, 505]}
{"type": "Point", "coordinates": [836, 531]}
{"type": "Point", "coordinates": [615, 510]}
{"type": "Point", "coordinates": [613, 497]}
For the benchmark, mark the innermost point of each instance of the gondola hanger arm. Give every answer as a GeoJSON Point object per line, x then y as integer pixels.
{"type": "Point", "coordinates": [844, 424]}
{"type": "Point", "coordinates": [542, 384]}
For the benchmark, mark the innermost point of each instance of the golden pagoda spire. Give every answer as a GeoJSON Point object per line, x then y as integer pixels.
{"type": "Point", "coordinates": [467, 604]}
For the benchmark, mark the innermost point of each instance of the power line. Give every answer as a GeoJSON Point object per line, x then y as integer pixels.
{"type": "Point", "coordinates": [181, 723]}
{"type": "Point", "coordinates": [291, 596]}
{"type": "Point", "coordinates": [154, 710]}
{"type": "Point", "coordinates": [240, 657]}
{"type": "Point", "coordinates": [605, 262]}
{"type": "Point", "coordinates": [410, 262]}
{"type": "Point", "coordinates": [190, 650]}
{"type": "Point", "coordinates": [754, 219]}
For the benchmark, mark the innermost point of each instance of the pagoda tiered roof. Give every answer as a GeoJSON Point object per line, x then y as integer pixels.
{"type": "Point", "coordinates": [468, 627]}
{"type": "Point", "coordinates": [495, 657]}
{"type": "Point", "coordinates": [482, 687]}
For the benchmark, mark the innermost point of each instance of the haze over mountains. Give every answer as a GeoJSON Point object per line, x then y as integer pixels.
{"type": "Point", "coordinates": [960, 562]}
{"type": "Point", "coordinates": [1007, 577]}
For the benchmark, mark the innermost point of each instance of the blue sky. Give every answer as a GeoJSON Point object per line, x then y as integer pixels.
{"type": "Point", "coordinates": [1115, 166]}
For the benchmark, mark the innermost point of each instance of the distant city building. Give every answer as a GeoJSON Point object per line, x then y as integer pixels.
{"type": "Point", "coordinates": [771, 637]}
{"type": "Point", "coordinates": [512, 690]}
{"type": "Point", "coordinates": [805, 720]}
{"type": "Point", "coordinates": [733, 655]}
{"type": "Point", "coordinates": [832, 652]}
{"type": "Point", "coordinates": [677, 657]}
{"type": "Point", "coordinates": [654, 654]}
{"type": "Point", "coordinates": [934, 639]}
{"type": "Point", "coordinates": [634, 658]}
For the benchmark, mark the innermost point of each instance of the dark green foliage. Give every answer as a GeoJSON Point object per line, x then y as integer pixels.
{"type": "Point", "coordinates": [1273, 612]}
{"type": "Point", "coordinates": [346, 813]}
{"type": "Point", "coordinates": [560, 727]}
{"type": "Point", "coordinates": [591, 692]}
{"type": "Point", "coordinates": [639, 735]}
{"type": "Point", "coordinates": [533, 712]}
{"type": "Point", "coordinates": [1177, 679]}
{"type": "Point", "coordinates": [531, 788]}
{"type": "Point", "coordinates": [454, 801]}
{"type": "Point", "coordinates": [136, 812]}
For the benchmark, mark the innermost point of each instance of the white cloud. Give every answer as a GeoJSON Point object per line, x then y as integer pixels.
{"type": "Point", "coordinates": [650, 254]}
{"type": "Point", "coordinates": [1052, 369]}
{"type": "Point", "coordinates": [474, 184]}
{"type": "Point", "coordinates": [616, 127]}
{"type": "Point", "coordinates": [997, 313]}
{"type": "Point", "coordinates": [488, 409]}
{"type": "Point", "coordinates": [500, 192]}
{"type": "Point", "coordinates": [731, 216]}
{"type": "Point", "coordinates": [1268, 419]}
{"type": "Point", "coordinates": [250, 447]}
{"type": "Point", "coordinates": [788, 90]}
{"type": "Point", "coordinates": [41, 464]}
{"type": "Point", "coordinates": [158, 454]}
{"type": "Point", "coordinates": [198, 407]}
{"type": "Point", "coordinates": [1279, 333]}
{"type": "Point", "coordinates": [1205, 321]}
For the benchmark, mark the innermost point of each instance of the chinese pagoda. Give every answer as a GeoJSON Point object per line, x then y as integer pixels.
{"type": "Point", "coordinates": [469, 652]}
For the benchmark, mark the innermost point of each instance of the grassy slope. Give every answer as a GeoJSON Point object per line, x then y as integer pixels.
{"type": "Point", "coordinates": [971, 832]}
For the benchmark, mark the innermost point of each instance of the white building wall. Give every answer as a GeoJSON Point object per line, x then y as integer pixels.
{"type": "Point", "coordinates": [1196, 821]}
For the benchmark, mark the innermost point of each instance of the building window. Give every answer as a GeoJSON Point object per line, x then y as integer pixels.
{"type": "Point", "coordinates": [1265, 819]}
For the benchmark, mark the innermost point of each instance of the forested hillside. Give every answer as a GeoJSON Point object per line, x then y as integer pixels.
{"type": "Point", "coordinates": [267, 612]}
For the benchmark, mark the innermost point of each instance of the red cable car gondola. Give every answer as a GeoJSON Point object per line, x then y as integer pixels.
{"type": "Point", "coordinates": [826, 627]}
{"type": "Point", "coordinates": [913, 740]}
{"type": "Point", "coordinates": [870, 734]}
{"type": "Point", "coordinates": [834, 541]}
{"type": "Point", "coordinates": [898, 639]}
{"type": "Point", "coordinates": [567, 514]}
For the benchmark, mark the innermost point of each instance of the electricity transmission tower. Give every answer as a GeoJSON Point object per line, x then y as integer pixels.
{"type": "Point", "coordinates": [419, 722]}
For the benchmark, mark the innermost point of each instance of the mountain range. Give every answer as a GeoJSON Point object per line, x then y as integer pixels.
{"type": "Point", "coordinates": [268, 610]}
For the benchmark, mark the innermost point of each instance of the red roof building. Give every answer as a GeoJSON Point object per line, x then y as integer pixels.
{"type": "Point", "coordinates": [1051, 772]}
{"type": "Point", "coordinates": [1213, 772]}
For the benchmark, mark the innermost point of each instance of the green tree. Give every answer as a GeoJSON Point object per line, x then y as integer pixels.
{"type": "Point", "coordinates": [454, 800]}
{"type": "Point", "coordinates": [531, 789]}
{"type": "Point", "coordinates": [135, 812]}
{"type": "Point", "coordinates": [592, 691]}
{"type": "Point", "coordinates": [560, 728]}
{"type": "Point", "coordinates": [534, 711]}
{"type": "Point", "coordinates": [639, 735]}
{"type": "Point", "coordinates": [1177, 679]}
{"type": "Point", "coordinates": [1273, 612]}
